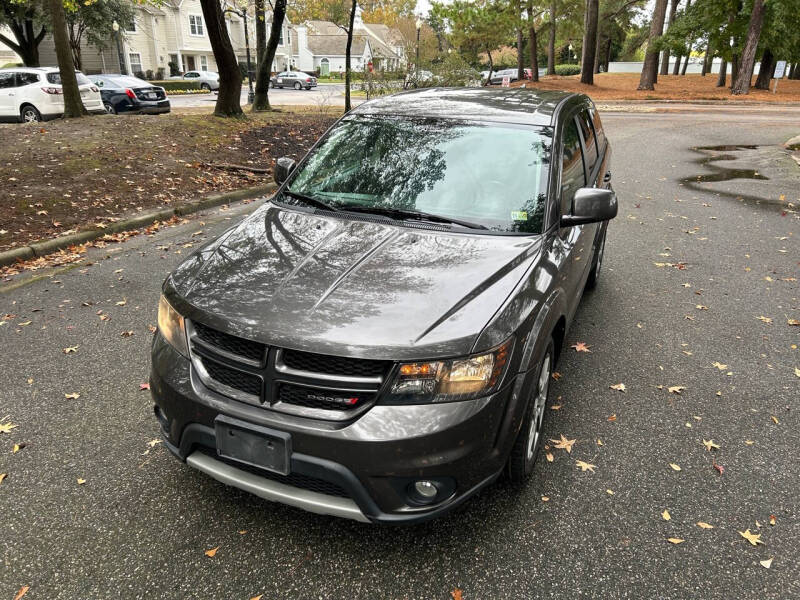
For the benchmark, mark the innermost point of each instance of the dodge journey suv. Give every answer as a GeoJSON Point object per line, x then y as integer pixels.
{"type": "Point", "coordinates": [376, 341]}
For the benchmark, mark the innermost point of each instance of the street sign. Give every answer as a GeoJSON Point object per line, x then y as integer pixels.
{"type": "Point", "coordinates": [780, 69]}
{"type": "Point", "coordinates": [506, 81]}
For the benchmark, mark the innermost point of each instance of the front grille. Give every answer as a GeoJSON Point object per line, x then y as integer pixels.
{"type": "Point", "coordinates": [238, 380]}
{"type": "Point", "coordinates": [230, 343]}
{"type": "Point", "coordinates": [297, 480]}
{"type": "Point", "coordinates": [334, 365]}
{"type": "Point", "coordinates": [324, 399]}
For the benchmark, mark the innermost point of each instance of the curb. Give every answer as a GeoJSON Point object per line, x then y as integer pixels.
{"type": "Point", "coordinates": [38, 249]}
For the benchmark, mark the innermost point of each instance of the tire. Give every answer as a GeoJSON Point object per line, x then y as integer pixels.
{"type": "Point", "coordinates": [205, 86]}
{"type": "Point", "coordinates": [308, 88]}
{"type": "Point", "coordinates": [110, 108]}
{"type": "Point", "coordinates": [597, 264]}
{"type": "Point", "coordinates": [272, 84]}
{"type": "Point", "coordinates": [29, 114]}
{"type": "Point", "coordinates": [297, 85]}
{"type": "Point", "coordinates": [526, 446]}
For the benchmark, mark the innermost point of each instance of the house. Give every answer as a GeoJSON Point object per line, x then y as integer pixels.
{"type": "Point", "coordinates": [170, 38]}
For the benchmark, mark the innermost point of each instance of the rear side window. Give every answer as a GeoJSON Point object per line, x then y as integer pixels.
{"type": "Point", "coordinates": [55, 77]}
{"type": "Point", "coordinates": [27, 78]}
{"type": "Point", "coordinates": [7, 80]}
{"type": "Point", "coordinates": [590, 143]}
{"type": "Point", "coordinates": [598, 129]}
{"type": "Point", "coordinates": [572, 174]}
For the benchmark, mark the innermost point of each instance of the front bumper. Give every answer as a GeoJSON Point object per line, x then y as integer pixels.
{"type": "Point", "coordinates": [358, 469]}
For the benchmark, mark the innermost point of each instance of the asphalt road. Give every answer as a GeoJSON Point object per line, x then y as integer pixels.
{"type": "Point", "coordinates": [139, 525]}
{"type": "Point", "coordinates": [325, 94]}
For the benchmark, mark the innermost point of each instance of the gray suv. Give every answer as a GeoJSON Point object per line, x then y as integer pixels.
{"type": "Point", "coordinates": [376, 341]}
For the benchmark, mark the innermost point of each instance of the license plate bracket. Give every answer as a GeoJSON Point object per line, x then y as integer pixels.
{"type": "Point", "coordinates": [253, 445]}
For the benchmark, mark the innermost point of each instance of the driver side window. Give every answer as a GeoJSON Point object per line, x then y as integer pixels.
{"type": "Point", "coordinates": [573, 176]}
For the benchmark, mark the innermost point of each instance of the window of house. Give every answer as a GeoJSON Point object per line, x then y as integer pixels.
{"type": "Point", "coordinates": [196, 24]}
{"type": "Point", "coordinates": [572, 175]}
{"type": "Point", "coordinates": [280, 38]}
{"type": "Point", "coordinates": [131, 26]}
{"type": "Point", "coordinates": [203, 63]}
{"type": "Point", "coordinates": [136, 62]}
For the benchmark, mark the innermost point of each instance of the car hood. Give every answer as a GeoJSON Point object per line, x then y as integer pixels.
{"type": "Point", "coordinates": [351, 286]}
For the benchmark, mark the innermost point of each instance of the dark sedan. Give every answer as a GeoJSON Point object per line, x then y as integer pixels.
{"type": "Point", "coordinates": [126, 94]}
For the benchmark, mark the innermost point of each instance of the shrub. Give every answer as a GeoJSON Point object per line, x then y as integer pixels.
{"type": "Point", "coordinates": [175, 85]}
{"type": "Point", "coordinates": [568, 69]}
{"type": "Point", "coordinates": [173, 69]}
{"type": "Point", "coordinates": [149, 74]}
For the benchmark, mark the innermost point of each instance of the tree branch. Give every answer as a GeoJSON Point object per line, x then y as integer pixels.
{"type": "Point", "coordinates": [15, 47]}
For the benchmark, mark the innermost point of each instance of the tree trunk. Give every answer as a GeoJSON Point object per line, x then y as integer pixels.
{"type": "Point", "coordinates": [551, 45]}
{"type": "Point", "coordinates": [723, 72]}
{"type": "Point", "coordinates": [520, 48]}
{"type": "Point", "coordinates": [491, 67]}
{"type": "Point", "coordinates": [589, 41]}
{"type": "Point", "coordinates": [597, 49]}
{"type": "Point", "coordinates": [73, 107]}
{"type": "Point", "coordinates": [766, 70]}
{"type": "Point", "coordinates": [608, 54]}
{"type": "Point", "coordinates": [650, 66]}
{"type": "Point", "coordinates": [533, 44]}
{"type": "Point", "coordinates": [673, 7]}
{"type": "Point", "coordinates": [745, 75]}
{"type": "Point", "coordinates": [686, 61]}
{"type": "Point", "coordinates": [708, 59]}
{"type": "Point", "coordinates": [794, 72]}
{"type": "Point", "coordinates": [230, 77]}
{"type": "Point", "coordinates": [347, 57]}
{"type": "Point", "coordinates": [261, 99]}
{"type": "Point", "coordinates": [734, 68]}
{"type": "Point", "coordinates": [261, 29]}
{"type": "Point", "coordinates": [75, 46]}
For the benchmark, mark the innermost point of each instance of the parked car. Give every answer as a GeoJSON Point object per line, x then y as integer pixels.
{"type": "Point", "coordinates": [294, 79]}
{"type": "Point", "coordinates": [126, 94]}
{"type": "Point", "coordinates": [35, 94]}
{"type": "Point", "coordinates": [498, 76]}
{"type": "Point", "coordinates": [377, 340]}
{"type": "Point", "coordinates": [208, 80]}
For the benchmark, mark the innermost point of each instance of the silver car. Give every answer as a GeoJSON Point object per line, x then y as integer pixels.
{"type": "Point", "coordinates": [208, 80]}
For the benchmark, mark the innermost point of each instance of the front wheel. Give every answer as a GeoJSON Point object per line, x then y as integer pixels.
{"type": "Point", "coordinates": [109, 108]}
{"type": "Point", "coordinates": [594, 276]}
{"type": "Point", "coordinates": [297, 85]}
{"type": "Point", "coordinates": [526, 446]}
{"type": "Point", "coordinates": [30, 114]}
{"type": "Point", "coordinates": [205, 86]}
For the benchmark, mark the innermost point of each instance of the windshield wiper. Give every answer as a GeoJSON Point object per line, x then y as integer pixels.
{"type": "Point", "coordinates": [310, 200]}
{"type": "Point", "coordinates": [400, 213]}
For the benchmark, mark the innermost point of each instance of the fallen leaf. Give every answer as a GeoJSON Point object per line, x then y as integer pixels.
{"type": "Point", "coordinates": [599, 442]}
{"type": "Point", "coordinates": [749, 442]}
{"type": "Point", "coordinates": [81, 481]}
{"type": "Point", "coordinates": [563, 444]}
{"type": "Point", "coordinates": [795, 322]}
{"type": "Point", "coordinates": [127, 333]}
{"type": "Point", "coordinates": [18, 447]}
{"type": "Point", "coordinates": [719, 365]}
{"type": "Point", "coordinates": [581, 347]}
{"type": "Point", "coordinates": [3, 476]}
{"type": "Point", "coordinates": [71, 350]}
{"type": "Point", "coordinates": [105, 318]}
{"type": "Point", "coordinates": [549, 457]}
{"type": "Point", "coordinates": [257, 597]}
{"type": "Point", "coordinates": [555, 407]}
{"type": "Point", "coordinates": [766, 563]}
{"type": "Point", "coordinates": [556, 375]}
{"type": "Point", "coordinates": [24, 323]}
{"type": "Point", "coordinates": [612, 418]}
{"type": "Point", "coordinates": [456, 594]}
{"type": "Point", "coordinates": [701, 307]}
{"type": "Point", "coordinates": [144, 386]}
{"type": "Point", "coordinates": [675, 540]}
{"type": "Point", "coordinates": [610, 492]}
{"type": "Point", "coordinates": [703, 525]}
{"type": "Point", "coordinates": [676, 389]}
{"type": "Point", "coordinates": [674, 467]}
{"type": "Point", "coordinates": [775, 420]}
{"type": "Point", "coordinates": [765, 319]}
{"type": "Point", "coordinates": [545, 498]}
{"type": "Point", "coordinates": [584, 466]}
{"type": "Point", "coordinates": [753, 538]}
{"type": "Point", "coordinates": [719, 468]}
{"type": "Point", "coordinates": [620, 387]}
{"type": "Point", "coordinates": [22, 591]}
{"type": "Point", "coordinates": [73, 396]}
{"type": "Point", "coordinates": [242, 531]}
{"type": "Point", "coordinates": [665, 515]}
{"type": "Point", "coordinates": [797, 372]}
{"type": "Point", "coordinates": [772, 520]}
{"type": "Point", "coordinates": [7, 427]}
{"type": "Point", "coordinates": [211, 553]}
{"type": "Point", "coordinates": [122, 303]}
{"type": "Point", "coordinates": [709, 444]}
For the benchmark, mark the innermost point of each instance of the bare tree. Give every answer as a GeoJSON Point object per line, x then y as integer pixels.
{"type": "Point", "coordinates": [261, 99]}
{"type": "Point", "coordinates": [551, 45]}
{"type": "Point", "coordinates": [230, 77]}
{"type": "Point", "coordinates": [73, 107]}
{"type": "Point", "coordinates": [766, 70]}
{"type": "Point", "coordinates": [673, 8]}
{"type": "Point", "coordinates": [589, 41]}
{"type": "Point", "coordinates": [748, 59]}
{"type": "Point", "coordinates": [533, 42]}
{"type": "Point", "coordinates": [650, 67]}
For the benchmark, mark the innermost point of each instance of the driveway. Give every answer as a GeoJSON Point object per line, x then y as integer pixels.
{"type": "Point", "coordinates": [700, 281]}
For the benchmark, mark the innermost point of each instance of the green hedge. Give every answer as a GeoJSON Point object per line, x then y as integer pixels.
{"type": "Point", "coordinates": [173, 85]}
{"type": "Point", "coordinates": [568, 69]}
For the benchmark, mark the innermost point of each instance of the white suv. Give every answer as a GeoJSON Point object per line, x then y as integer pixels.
{"type": "Point", "coordinates": [35, 94]}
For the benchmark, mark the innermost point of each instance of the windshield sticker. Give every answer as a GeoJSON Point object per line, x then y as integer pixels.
{"type": "Point", "coordinates": [519, 215]}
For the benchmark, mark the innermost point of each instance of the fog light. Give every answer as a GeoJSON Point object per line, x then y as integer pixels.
{"type": "Point", "coordinates": [426, 490]}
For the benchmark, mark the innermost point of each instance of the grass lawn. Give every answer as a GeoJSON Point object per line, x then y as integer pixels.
{"type": "Point", "coordinates": [622, 86]}
{"type": "Point", "coordinates": [65, 175]}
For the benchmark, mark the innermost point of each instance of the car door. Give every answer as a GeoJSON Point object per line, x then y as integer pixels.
{"type": "Point", "coordinates": [569, 247]}
{"type": "Point", "coordinates": [8, 89]}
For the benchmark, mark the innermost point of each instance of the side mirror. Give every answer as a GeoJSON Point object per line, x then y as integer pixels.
{"type": "Point", "coordinates": [591, 205]}
{"type": "Point", "coordinates": [283, 168]}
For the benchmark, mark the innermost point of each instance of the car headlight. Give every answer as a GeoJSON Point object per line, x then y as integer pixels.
{"type": "Point", "coordinates": [450, 380]}
{"type": "Point", "coordinates": [171, 326]}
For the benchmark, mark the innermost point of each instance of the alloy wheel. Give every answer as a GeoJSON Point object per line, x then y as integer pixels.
{"type": "Point", "coordinates": [540, 402]}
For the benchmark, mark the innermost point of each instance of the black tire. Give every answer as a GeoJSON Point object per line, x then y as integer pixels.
{"type": "Point", "coordinates": [297, 85]}
{"type": "Point", "coordinates": [272, 84]}
{"type": "Point", "coordinates": [110, 108]}
{"type": "Point", "coordinates": [29, 114]}
{"type": "Point", "coordinates": [205, 86]}
{"type": "Point", "coordinates": [308, 88]}
{"type": "Point", "coordinates": [529, 439]}
{"type": "Point", "coordinates": [597, 263]}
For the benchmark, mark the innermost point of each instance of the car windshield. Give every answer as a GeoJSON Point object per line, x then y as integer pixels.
{"type": "Point", "coordinates": [55, 77]}
{"type": "Point", "coordinates": [486, 174]}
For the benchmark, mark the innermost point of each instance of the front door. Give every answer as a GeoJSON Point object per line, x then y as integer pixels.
{"type": "Point", "coordinates": [8, 89]}
{"type": "Point", "coordinates": [324, 67]}
{"type": "Point", "coordinates": [190, 64]}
